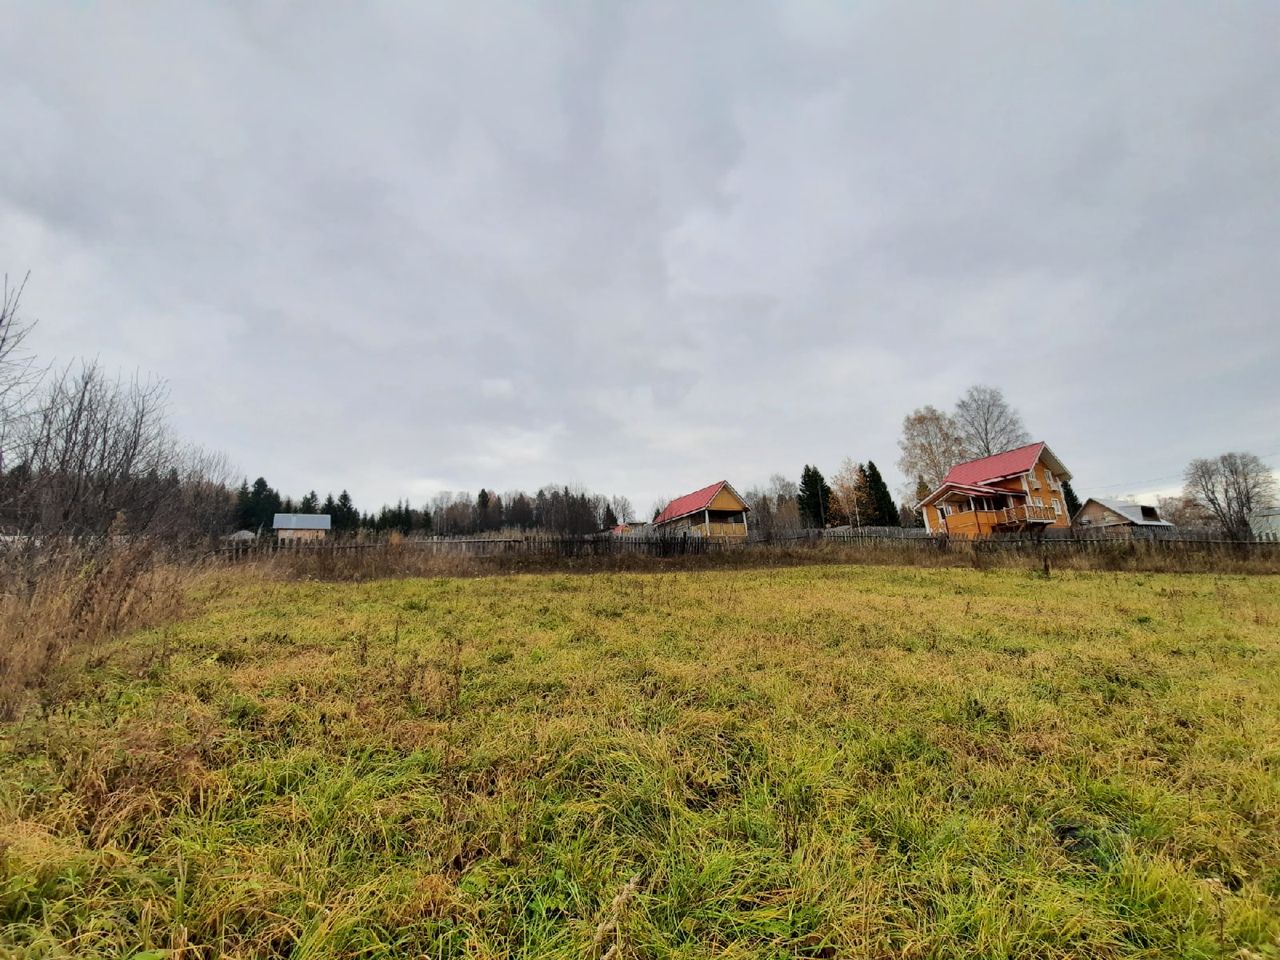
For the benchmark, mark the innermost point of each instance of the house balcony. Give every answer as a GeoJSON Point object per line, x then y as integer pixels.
{"type": "Point", "coordinates": [984, 522]}
{"type": "Point", "coordinates": [1026, 513]}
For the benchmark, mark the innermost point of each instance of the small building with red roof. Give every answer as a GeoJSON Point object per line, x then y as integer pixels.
{"type": "Point", "coordinates": [1017, 489]}
{"type": "Point", "coordinates": [629, 528]}
{"type": "Point", "coordinates": [714, 511]}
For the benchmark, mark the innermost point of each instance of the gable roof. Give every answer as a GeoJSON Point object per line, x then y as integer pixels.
{"type": "Point", "coordinates": [1009, 463]}
{"type": "Point", "coordinates": [693, 502]}
{"type": "Point", "coordinates": [300, 521]}
{"type": "Point", "coordinates": [1131, 511]}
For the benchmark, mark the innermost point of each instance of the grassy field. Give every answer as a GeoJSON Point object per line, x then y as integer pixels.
{"type": "Point", "coordinates": [819, 762]}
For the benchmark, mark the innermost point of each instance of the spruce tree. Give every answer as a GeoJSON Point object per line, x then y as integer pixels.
{"type": "Point", "coordinates": [1070, 498]}
{"type": "Point", "coordinates": [813, 498]}
{"type": "Point", "coordinates": [310, 503]}
{"type": "Point", "coordinates": [884, 510]}
{"type": "Point", "coordinates": [264, 504]}
{"type": "Point", "coordinates": [246, 519]}
{"type": "Point", "coordinates": [348, 518]}
{"type": "Point", "coordinates": [610, 518]}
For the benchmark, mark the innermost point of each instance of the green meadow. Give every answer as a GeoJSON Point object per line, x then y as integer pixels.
{"type": "Point", "coordinates": [824, 761]}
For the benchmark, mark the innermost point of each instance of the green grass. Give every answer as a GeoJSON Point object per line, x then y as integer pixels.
{"type": "Point", "coordinates": [815, 762]}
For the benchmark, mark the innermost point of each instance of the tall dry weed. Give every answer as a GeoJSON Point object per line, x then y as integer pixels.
{"type": "Point", "coordinates": [58, 597]}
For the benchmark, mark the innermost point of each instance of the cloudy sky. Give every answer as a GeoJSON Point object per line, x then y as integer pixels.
{"type": "Point", "coordinates": [403, 247]}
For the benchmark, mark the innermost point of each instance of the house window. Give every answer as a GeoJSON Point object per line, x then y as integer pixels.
{"type": "Point", "coordinates": [1057, 507]}
{"type": "Point", "coordinates": [1039, 501]}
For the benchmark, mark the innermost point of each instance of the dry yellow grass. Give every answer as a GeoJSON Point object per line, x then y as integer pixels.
{"type": "Point", "coordinates": [820, 761]}
{"type": "Point", "coordinates": [64, 597]}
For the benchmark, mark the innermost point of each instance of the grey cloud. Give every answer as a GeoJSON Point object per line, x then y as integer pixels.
{"type": "Point", "coordinates": [396, 248]}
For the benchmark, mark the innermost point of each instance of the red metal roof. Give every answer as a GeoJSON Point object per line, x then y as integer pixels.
{"type": "Point", "coordinates": [1007, 464]}
{"type": "Point", "coordinates": [691, 502]}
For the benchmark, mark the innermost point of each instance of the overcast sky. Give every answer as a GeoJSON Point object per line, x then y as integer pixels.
{"type": "Point", "coordinates": [408, 247]}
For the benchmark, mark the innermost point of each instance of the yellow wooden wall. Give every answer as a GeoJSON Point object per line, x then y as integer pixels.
{"type": "Point", "coordinates": [725, 500]}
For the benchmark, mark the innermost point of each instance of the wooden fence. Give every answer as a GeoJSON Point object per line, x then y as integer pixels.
{"type": "Point", "coordinates": [1059, 542]}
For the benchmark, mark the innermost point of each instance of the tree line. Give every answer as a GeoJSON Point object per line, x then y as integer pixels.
{"type": "Point", "coordinates": [552, 509]}
{"type": "Point", "coordinates": [856, 496]}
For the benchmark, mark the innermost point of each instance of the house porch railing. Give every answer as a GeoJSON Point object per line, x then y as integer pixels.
{"type": "Point", "coordinates": [1027, 513]}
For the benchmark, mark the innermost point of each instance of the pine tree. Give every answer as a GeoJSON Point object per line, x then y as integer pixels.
{"type": "Point", "coordinates": [1070, 498]}
{"type": "Point", "coordinates": [610, 518]}
{"type": "Point", "coordinates": [884, 510]}
{"type": "Point", "coordinates": [813, 498]}
{"type": "Point", "coordinates": [310, 503]}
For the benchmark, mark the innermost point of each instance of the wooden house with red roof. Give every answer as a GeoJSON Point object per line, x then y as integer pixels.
{"type": "Point", "coordinates": [714, 511]}
{"type": "Point", "coordinates": [1018, 489]}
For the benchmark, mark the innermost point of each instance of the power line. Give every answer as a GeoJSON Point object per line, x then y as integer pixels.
{"type": "Point", "coordinates": [1265, 458]}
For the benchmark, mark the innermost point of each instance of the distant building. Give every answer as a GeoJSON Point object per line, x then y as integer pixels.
{"type": "Point", "coordinates": [1265, 524]}
{"type": "Point", "coordinates": [1096, 514]}
{"type": "Point", "coordinates": [301, 526]}
{"type": "Point", "coordinates": [630, 528]}
{"type": "Point", "coordinates": [714, 511]}
{"type": "Point", "coordinates": [1018, 489]}
{"type": "Point", "coordinates": [241, 536]}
